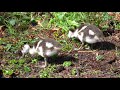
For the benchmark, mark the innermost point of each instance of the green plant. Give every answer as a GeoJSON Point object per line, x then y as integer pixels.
{"type": "Point", "coordinates": [34, 61]}
{"type": "Point", "coordinates": [21, 61]}
{"type": "Point", "coordinates": [46, 73]}
{"type": "Point", "coordinates": [76, 55]}
{"type": "Point", "coordinates": [99, 57]}
{"type": "Point", "coordinates": [66, 45]}
{"type": "Point", "coordinates": [13, 61]}
{"type": "Point", "coordinates": [8, 72]}
{"type": "Point", "coordinates": [12, 22]}
{"type": "Point", "coordinates": [67, 63]}
{"type": "Point", "coordinates": [66, 20]}
{"type": "Point", "coordinates": [73, 71]}
{"type": "Point", "coordinates": [8, 47]}
{"type": "Point", "coordinates": [15, 64]}
{"type": "Point", "coordinates": [27, 69]}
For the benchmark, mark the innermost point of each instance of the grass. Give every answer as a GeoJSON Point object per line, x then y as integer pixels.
{"type": "Point", "coordinates": [18, 31]}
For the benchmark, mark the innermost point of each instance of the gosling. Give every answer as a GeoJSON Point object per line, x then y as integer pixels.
{"type": "Point", "coordinates": [44, 47]}
{"type": "Point", "coordinates": [87, 33]}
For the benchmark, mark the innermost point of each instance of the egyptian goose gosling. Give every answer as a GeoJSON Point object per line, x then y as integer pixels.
{"type": "Point", "coordinates": [87, 33]}
{"type": "Point", "coordinates": [44, 47]}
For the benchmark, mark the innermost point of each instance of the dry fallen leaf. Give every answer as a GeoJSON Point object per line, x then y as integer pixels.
{"type": "Point", "coordinates": [39, 23]}
{"type": "Point", "coordinates": [56, 29]}
{"type": "Point", "coordinates": [31, 36]}
{"type": "Point", "coordinates": [116, 15]}
{"type": "Point", "coordinates": [2, 33]}
{"type": "Point", "coordinates": [34, 28]}
{"type": "Point", "coordinates": [111, 13]}
{"type": "Point", "coordinates": [1, 47]}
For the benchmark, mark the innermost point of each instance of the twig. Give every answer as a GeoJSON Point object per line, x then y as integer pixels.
{"type": "Point", "coordinates": [87, 51]}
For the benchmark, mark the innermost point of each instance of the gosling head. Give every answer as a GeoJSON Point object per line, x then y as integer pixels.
{"type": "Point", "coordinates": [25, 49]}
{"type": "Point", "coordinates": [73, 33]}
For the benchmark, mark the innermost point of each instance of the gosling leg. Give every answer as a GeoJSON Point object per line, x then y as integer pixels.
{"type": "Point", "coordinates": [45, 65]}
{"type": "Point", "coordinates": [82, 46]}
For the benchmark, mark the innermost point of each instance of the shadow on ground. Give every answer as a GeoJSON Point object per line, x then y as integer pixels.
{"type": "Point", "coordinates": [61, 59]}
{"type": "Point", "coordinates": [104, 46]}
